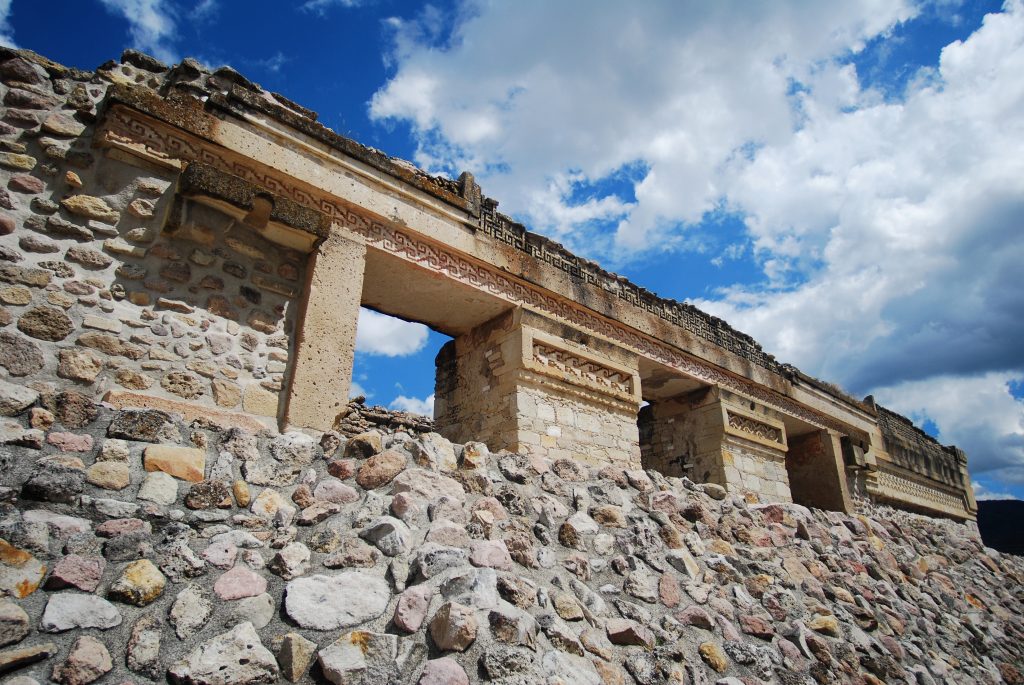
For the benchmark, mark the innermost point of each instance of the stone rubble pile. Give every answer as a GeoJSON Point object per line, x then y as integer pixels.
{"type": "Point", "coordinates": [136, 548]}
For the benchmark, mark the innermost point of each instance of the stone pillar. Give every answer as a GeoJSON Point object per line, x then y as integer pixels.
{"type": "Point", "coordinates": [325, 340]}
{"type": "Point", "coordinates": [714, 436]}
{"type": "Point", "coordinates": [527, 384]}
{"type": "Point", "coordinates": [817, 476]}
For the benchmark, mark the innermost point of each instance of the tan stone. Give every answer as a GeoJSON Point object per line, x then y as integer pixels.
{"type": "Point", "coordinates": [256, 400]}
{"type": "Point", "coordinates": [226, 394]}
{"type": "Point", "coordinates": [110, 475]}
{"type": "Point", "coordinates": [13, 160]}
{"type": "Point", "coordinates": [16, 295]}
{"type": "Point", "coordinates": [139, 583]}
{"type": "Point", "coordinates": [129, 378]}
{"type": "Point", "coordinates": [186, 463]}
{"type": "Point", "coordinates": [79, 365]}
{"type": "Point", "coordinates": [240, 490]}
{"type": "Point", "coordinates": [91, 208]}
{"type": "Point", "coordinates": [713, 656]}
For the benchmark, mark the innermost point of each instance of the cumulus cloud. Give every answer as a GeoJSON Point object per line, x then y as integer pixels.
{"type": "Point", "coordinates": [151, 25]}
{"type": "Point", "coordinates": [540, 100]}
{"type": "Point", "coordinates": [413, 405]}
{"type": "Point", "coordinates": [379, 334]}
{"type": "Point", "coordinates": [6, 30]}
{"type": "Point", "coordinates": [886, 226]}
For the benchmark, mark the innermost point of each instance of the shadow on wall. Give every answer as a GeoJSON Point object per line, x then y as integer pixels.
{"type": "Point", "coordinates": [999, 522]}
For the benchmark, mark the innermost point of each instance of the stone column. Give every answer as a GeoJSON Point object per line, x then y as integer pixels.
{"type": "Point", "coordinates": [530, 385]}
{"type": "Point", "coordinates": [325, 339]}
{"type": "Point", "coordinates": [817, 476]}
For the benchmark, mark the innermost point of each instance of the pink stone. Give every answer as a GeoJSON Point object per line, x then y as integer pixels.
{"type": "Point", "coordinates": [411, 608]}
{"type": "Point", "coordinates": [331, 490]}
{"type": "Point", "coordinates": [490, 554]}
{"type": "Point", "coordinates": [405, 504]}
{"type": "Point", "coordinates": [342, 468]}
{"type": "Point", "coordinates": [240, 582]}
{"type": "Point", "coordinates": [70, 442]}
{"type": "Point", "coordinates": [82, 572]}
{"type": "Point", "coordinates": [668, 590]}
{"type": "Point", "coordinates": [116, 527]}
{"type": "Point", "coordinates": [443, 671]}
{"type": "Point", "coordinates": [221, 554]}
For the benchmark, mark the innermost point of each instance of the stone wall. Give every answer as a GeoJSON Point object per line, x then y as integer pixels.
{"type": "Point", "coordinates": [99, 297]}
{"type": "Point", "coordinates": [135, 547]}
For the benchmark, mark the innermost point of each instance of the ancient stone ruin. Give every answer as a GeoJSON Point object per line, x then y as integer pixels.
{"type": "Point", "coordinates": [614, 487]}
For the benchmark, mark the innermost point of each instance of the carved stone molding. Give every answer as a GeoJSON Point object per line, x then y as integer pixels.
{"type": "Point", "coordinates": [584, 371]}
{"type": "Point", "coordinates": [891, 486]}
{"type": "Point", "coordinates": [137, 133]}
{"type": "Point", "coordinates": [758, 429]}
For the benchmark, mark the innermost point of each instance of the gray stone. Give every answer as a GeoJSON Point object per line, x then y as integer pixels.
{"type": "Point", "coordinates": [69, 610]}
{"type": "Point", "coordinates": [160, 488]}
{"type": "Point", "coordinates": [19, 355]}
{"type": "Point", "coordinates": [291, 561]}
{"type": "Point", "coordinates": [13, 623]}
{"type": "Point", "coordinates": [294, 449]}
{"type": "Point", "coordinates": [258, 610]}
{"type": "Point", "coordinates": [143, 651]}
{"type": "Point", "coordinates": [236, 657]}
{"type": "Point", "coordinates": [323, 602]}
{"type": "Point", "coordinates": [360, 658]}
{"type": "Point", "coordinates": [190, 611]}
{"type": "Point", "coordinates": [15, 399]}
{"type": "Point", "coordinates": [390, 535]}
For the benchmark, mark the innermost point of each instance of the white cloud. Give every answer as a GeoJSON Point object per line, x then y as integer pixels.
{"type": "Point", "coordinates": [982, 493]}
{"type": "Point", "coordinates": [888, 227]}
{"type": "Point", "coordinates": [355, 390]}
{"type": "Point", "coordinates": [151, 24]}
{"type": "Point", "coordinates": [6, 30]}
{"type": "Point", "coordinates": [205, 9]}
{"type": "Point", "coordinates": [538, 99]}
{"type": "Point", "coordinates": [413, 405]}
{"type": "Point", "coordinates": [321, 6]}
{"type": "Point", "coordinates": [387, 336]}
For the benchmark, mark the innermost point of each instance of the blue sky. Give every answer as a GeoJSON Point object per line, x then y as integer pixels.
{"type": "Point", "coordinates": [844, 181]}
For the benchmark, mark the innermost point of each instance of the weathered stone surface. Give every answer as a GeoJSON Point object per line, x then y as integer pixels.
{"type": "Point", "coordinates": [45, 323]}
{"type": "Point", "coordinates": [411, 609]}
{"type": "Point", "coordinates": [453, 627]}
{"type": "Point", "coordinates": [360, 658]}
{"type": "Point", "coordinates": [70, 610]}
{"type": "Point", "coordinates": [143, 650]}
{"type": "Point", "coordinates": [140, 583]}
{"type": "Point", "coordinates": [20, 572]}
{"type": "Point", "coordinates": [15, 399]}
{"type": "Point", "coordinates": [159, 487]}
{"type": "Point", "coordinates": [110, 475]}
{"type": "Point", "coordinates": [380, 469]}
{"type": "Point", "coordinates": [14, 623]}
{"type": "Point", "coordinates": [240, 582]}
{"type": "Point", "coordinates": [91, 208]}
{"type": "Point", "coordinates": [443, 671]}
{"type": "Point", "coordinates": [323, 602]}
{"type": "Point", "coordinates": [190, 611]}
{"type": "Point", "coordinates": [80, 572]}
{"type": "Point", "coordinates": [79, 365]}
{"type": "Point", "coordinates": [186, 463]}
{"type": "Point", "coordinates": [143, 425]}
{"type": "Point", "coordinates": [236, 657]}
{"type": "Point", "coordinates": [88, 660]}
{"type": "Point", "coordinates": [11, 659]}
{"type": "Point", "coordinates": [295, 656]}
{"type": "Point", "coordinates": [19, 355]}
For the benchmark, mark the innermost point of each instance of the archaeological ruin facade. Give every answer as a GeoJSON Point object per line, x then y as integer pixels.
{"type": "Point", "coordinates": [185, 240]}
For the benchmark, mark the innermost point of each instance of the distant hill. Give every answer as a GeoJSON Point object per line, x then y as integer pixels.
{"type": "Point", "coordinates": [1001, 522]}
